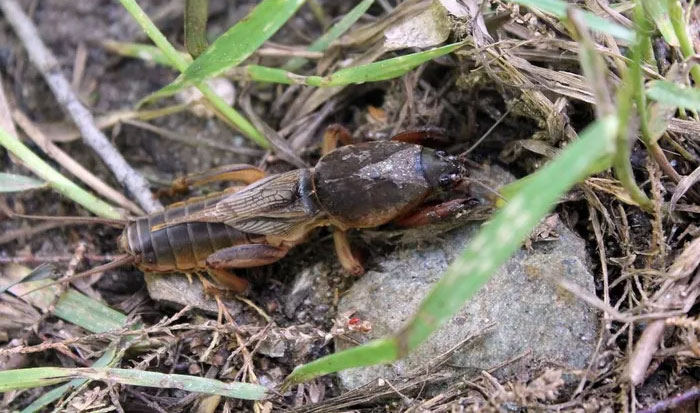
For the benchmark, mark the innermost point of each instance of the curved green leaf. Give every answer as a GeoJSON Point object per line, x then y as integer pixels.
{"type": "Point", "coordinates": [237, 44]}
{"type": "Point", "coordinates": [675, 94]}
{"type": "Point", "coordinates": [371, 72]}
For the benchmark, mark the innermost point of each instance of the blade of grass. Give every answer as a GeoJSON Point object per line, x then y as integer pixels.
{"type": "Point", "coordinates": [237, 44]}
{"type": "Point", "coordinates": [596, 72]}
{"type": "Point", "coordinates": [88, 313]}
{"type": "Point", "coordinates": [235, 118]}
{"type": "Point", "coordinates": [654, 118]}
{"type": "Point", "coordinates": [599, 24]}
{"type": "Point", "coordinates": [622, 165]}
{"type": "Point", "coordinates": [29, 378]}
{"type": "Point", "coordinates": [492, 246]}
{"type": "Point", "coordinates": [686, 43]}
{"type": "Point", "coordinates": [109, 358]}
{"type": "Point", "coordinates": [95, 317]}
{"type": "Point", "coordinates": [675, 94]}
{"type": "Point", "coordinates": [659, 13]}
{"type": "Point", "coordinates": [239, 390]}
{"type": "Point", "coordinates": [42, 272]}
{"type": "Point", "coordinates": [57, 181]}
{"type": "Point", "coordinates": [371, 72]}
{"type": "Point", "coordinates": [333, 33]}
{"type": "Point", "coordinates": [18, 183]}
{"type": "Point", "coordinates": [594, 68]}
{"type": "Point", "coordinates": [144, 52]}
{"type": "Point", "coordinates": [45, 376]}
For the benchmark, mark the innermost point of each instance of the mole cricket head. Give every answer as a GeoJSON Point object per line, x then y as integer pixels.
{"type": "Point", "coordinates": [442, 171]}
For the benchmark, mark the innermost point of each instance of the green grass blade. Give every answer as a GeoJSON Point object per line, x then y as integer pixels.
{"type": "Point", "coordinates": [597, 23]}
{"type": "Point", "coordinates": [29, 378]}
{"type": "Point", "coordinates": [42, 272]}
{"type": "Point", "coordinates": [383, 350]}
{"type": "Point", "coordinates": [18, 183]}
{"type": "Point", "coordinates": [110, 357]}
{"type": "Point", "coordinates": [332, 34]}
{"type": "Point", "coordinates": [237, 44]}
{"type": "Point", "coordinates": [685, 41]}
{"type": "Point", "coordinates": [371, 72]}
{"type": "Point", "coordinates": [675, 94]}
{"type": "Point", "coordinates": [95, 317]}
{"type": "Point", "coordinates": [145, 52]}
{"type": "Point", "coordinates": [45, 376]}
{"type": "Point", "coordinates": [659, 13]}
{"type": "Point", "coordinates": [247, 391]}
{"type": "Point", "coordinates": [88, 313]}
{"type": "Point", "coordinates": [384, 69]}
{"type": "Point", "coordinates": [492, 246]}
{"type": "Point", "coordinates": [57, 181]}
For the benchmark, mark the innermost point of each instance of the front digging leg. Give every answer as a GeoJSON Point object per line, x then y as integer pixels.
{"type": "Point", "coordinates": [433, 214]}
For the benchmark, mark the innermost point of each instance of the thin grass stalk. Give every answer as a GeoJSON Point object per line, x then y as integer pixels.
{"type": "Point", "coordinates": [635, 71]}
{"type": "Point", "coordinates": [637, 77]}
{"type": "Point", "coordinates": [686, 44]}
{"type": "Point", "coordinates": [622, 165]}
{"type": "Point", "coordinates": [57, 181]}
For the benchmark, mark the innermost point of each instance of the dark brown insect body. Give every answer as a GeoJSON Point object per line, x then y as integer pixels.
{"type": "Point", "coordinates": [181, 247]}
{"type": "Point", "coordinates": [355, 186]}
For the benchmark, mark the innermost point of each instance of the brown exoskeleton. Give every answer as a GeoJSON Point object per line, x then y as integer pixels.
{"type": "Point", "coordinates": [354, 186]}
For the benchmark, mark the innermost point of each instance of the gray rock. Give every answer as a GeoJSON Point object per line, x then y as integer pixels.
{"type": "Point", "coordinates": [309, 284]}
{"type": "Point", "coordinates": [176, 290]}
{"type": "Point", "coordinates": [537, 323]}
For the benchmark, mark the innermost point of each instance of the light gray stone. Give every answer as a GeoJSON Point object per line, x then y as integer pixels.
{"type": "Point", "coordinates": [534, 318]}
{"type": "Point", "coordinates": [177, 290]}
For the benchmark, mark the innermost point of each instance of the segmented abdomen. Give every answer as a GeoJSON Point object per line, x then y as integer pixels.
{"type": "Point", "coordinates": [179, 247]}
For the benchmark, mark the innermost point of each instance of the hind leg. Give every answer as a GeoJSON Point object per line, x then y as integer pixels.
{"type": "Point", "coordinates": [433, 214]}
{"type": "Point", "coordinates": [222, 261]}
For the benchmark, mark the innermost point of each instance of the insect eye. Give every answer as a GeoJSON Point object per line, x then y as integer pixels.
{"type": "Point", "coordinates": [445, 180]}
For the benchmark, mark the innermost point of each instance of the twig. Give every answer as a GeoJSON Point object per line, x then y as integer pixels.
{"type": "Point", "coordinates": [47, 64]}
{"type": "Point", "coordinates": [675, 401]}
